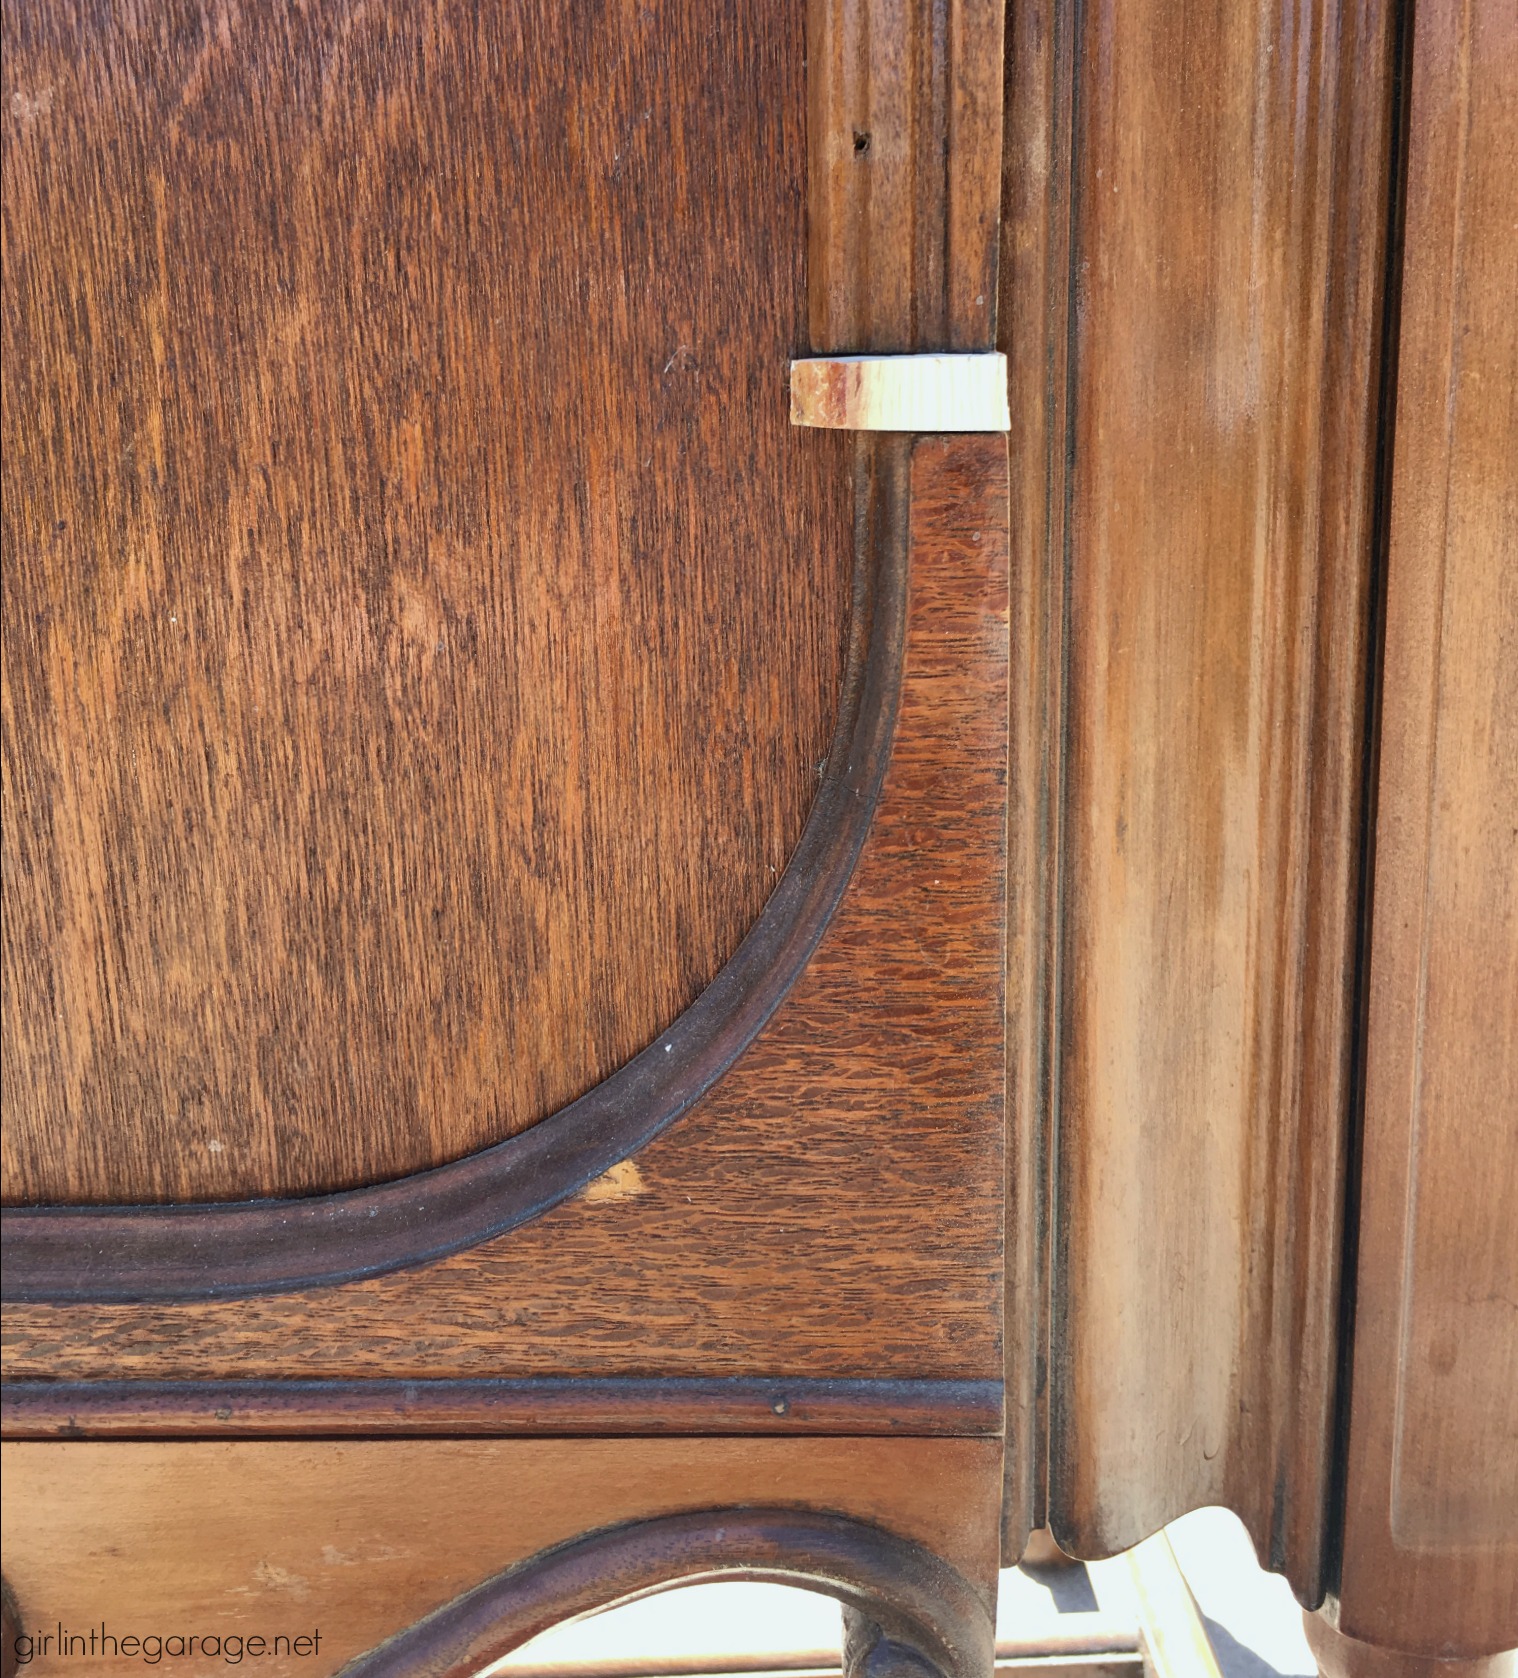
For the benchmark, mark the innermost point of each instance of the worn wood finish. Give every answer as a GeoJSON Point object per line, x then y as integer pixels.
{"type": "Point", "coordinates": [903, 174]}
{"type": "Point", "coordinates": [833, 1207]}
{"type": "Point", "coordinates": [72, 1253]}
{"type": "Point", "coordinates": [272, 1409]}
{"type": "Point", "coordinates": [422, 627]}
{"type": "Point", "coordinates": [1229, 183]}
{"type": "Point", "coordinates": [362, 1538]}
{"type": "Point", "coordinates": [1431, 1516]}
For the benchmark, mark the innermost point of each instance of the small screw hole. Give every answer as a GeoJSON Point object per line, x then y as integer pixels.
{"type": "Point", "coordinates": [861, 142]}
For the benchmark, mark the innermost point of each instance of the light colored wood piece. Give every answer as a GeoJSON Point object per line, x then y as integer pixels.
{"type": "Point", "coordinates": [901, 393]}
{"type": "Point", "coordinates": [1431, 1510]}
{"type": "Point", "coordinates": [361, 1538]}
{"type": "Point", "coordinates": [1174, 1639]}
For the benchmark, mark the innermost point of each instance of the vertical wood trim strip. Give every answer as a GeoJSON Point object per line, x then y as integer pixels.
{"type": "Point", "coordinates": [1228, 266]}
{"type": "Point", "coordinates": [904, 167]}
{"type": "Point", "coordinates": [1033, 332]}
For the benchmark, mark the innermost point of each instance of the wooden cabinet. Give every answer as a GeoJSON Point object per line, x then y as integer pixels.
{"type": "Point", "coordinates": [602, 988]}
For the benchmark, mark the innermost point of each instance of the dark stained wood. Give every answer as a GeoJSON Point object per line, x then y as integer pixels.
{"type": "Point", "coordinates": [422, 627]}
{"type": "Point", "coordinates": [1430, 1530]}
{"type": "Point", "coordinates": [1229, 185]}
{"type": "Point", "coordinates": [832, 1207]}
{"type": "Point", "coordinates": [270, 1409]}
{"type": "Point", "coordinates": [362, 1538]}
{"type": "Point", "coordinates": [904, 173]}
{"type": "Point", "coordinates": [62, 1254]}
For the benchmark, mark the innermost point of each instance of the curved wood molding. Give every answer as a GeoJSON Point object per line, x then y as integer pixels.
{"type": "Point", "coordinates": [916, 1598]}
{"type": "Point", "coordinates": [119, 1254]}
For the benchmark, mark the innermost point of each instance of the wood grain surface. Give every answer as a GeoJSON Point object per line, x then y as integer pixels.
{"type": "Point", "coordinates": [1338, 1656]}
{"type": "Point", "coordinates": [903, 173]}
{"type": "Point", "coordinates": [66, 1254]}
{"type": "Point", "coordinates": [422, 627]}
{"type": "Point", "coordinates": [1227, 191]}
{"type": "Point", "coordinates": [360, 1538]}
{"type": "Point", "coordinates": [1431, 1520]}
{"type": "Point", "coordinates": [833, 1207]}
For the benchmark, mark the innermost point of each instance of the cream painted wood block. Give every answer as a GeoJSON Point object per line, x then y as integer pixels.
{"type": "Point", "coordinates": [901, 393]}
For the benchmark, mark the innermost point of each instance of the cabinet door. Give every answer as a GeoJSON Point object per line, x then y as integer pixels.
{"type": "Point", "coordinates": [503, 864]}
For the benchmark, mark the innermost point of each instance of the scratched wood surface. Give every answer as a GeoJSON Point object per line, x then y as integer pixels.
{"type": "Point", "coordinates": [360, 1538]}
{"type": "Point", "coordinates": [422, 626]}
{"type": "Point", "coordinates": [1227, 189]}
{"type": "Point", "coordinates": [1431, 1516]}
{"type": "Point", "coordinates": [833, 1206]}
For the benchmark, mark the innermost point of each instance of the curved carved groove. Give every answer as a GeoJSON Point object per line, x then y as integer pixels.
{"type": "Point", "coordinates": [123, 1254]}
{"type": "Point", "coordinates": [914, 1596]}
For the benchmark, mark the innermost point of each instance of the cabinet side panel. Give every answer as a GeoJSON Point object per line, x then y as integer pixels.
{"type": "Point", "coordinates": [1431, 1524]}
{"type": "Point", "coordinates": [1229, 198]}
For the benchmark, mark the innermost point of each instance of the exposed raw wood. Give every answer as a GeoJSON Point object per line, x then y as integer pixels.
{"type": "Point", "coordinates": [903, 175]}
{"type": "Point", "coordinates": [1228, 188]}
{"type": "Point", "coordinates": [391, 753]}
{"type": "Point", "coordinates": [1431, 1517]}
{"type": "Point", "coordinates": [361, 1538]}
{"type": "Point", "coordinates": [901, 393]}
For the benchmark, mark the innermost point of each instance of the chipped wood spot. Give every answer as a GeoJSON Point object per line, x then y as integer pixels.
{"type": "Point", "coordinates": [623, 1182]}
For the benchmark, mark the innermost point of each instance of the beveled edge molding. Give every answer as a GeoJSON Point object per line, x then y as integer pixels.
{"type": "Point", "coordinates": [543, 1405]}
{"type": "Point", "coordinates": [129, 1254]}
{"type": "Point", "coordinates": [918, 1599]}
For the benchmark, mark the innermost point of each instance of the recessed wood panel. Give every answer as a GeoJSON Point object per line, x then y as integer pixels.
{"type": "Point", "coordinates": [422, 626]}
